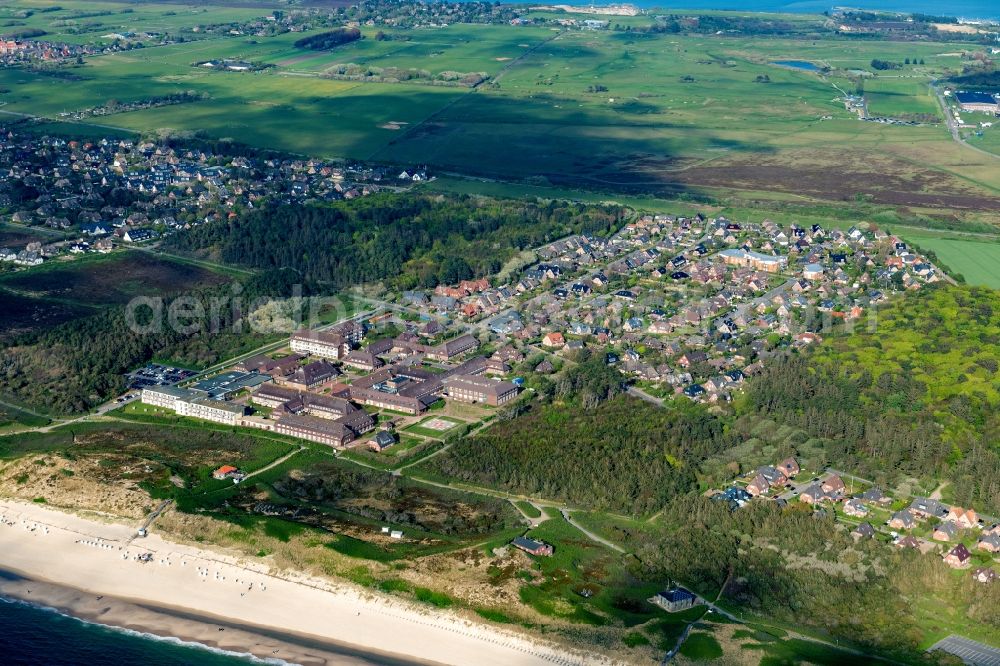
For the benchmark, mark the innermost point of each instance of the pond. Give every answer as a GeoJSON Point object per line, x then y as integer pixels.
{"type": "Point", "coordinates": [798, 64]}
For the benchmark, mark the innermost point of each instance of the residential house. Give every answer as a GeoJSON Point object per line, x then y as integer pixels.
{"type": "Point", "coordinates": [789, 466]}
{"type": "Point", "coordinates": [989, 543]}
{"type": "Point", "coordinates": [833, 485]}
{"type": "Point", "coordinates": [902, 520]}
{"type": "Point", "coordinates": [814, 494]}
{"type": "Point", "coordinates": [924, 508]}
{"type": "Point", "coordinates": [856, 508]}
{"type": "Point", "coordinates": [554, 340]}
{"type": "Point", "coordinates": [985, 575]}
{"type": "Point", "coordinates": [774, 476]}
{"type": "Point", "coordinates": [675, 600]}
{"type": "Point", "coordinates": [958, 557]}
{"type": "Point", "coordinates": [945, 531]}
{"type": "Point", "coordinates": [874, 495]}
{"type": "Point", "coordinates": [758, 486]}
{"type": "Point", "coordinates": [965, 518]}
{"type": "Point", "coordinates": [532, 547]}
{"type": "Point", "coordinates": [863, 531]}
{"type": "Point", "coordinates": [382, 441]}
{"type": "Point", "coordinates": [227, 472]}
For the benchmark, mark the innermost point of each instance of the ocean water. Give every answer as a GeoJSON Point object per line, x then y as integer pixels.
{"type": "Point", "coordinates": [981, 9]}
{"type": "Point", "coordinates": [31, 635]}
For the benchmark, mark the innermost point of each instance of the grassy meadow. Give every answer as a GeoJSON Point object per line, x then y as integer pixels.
{"type": "Point", "coordinates": [623, 111]}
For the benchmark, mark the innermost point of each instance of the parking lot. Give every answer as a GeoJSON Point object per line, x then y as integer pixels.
{"type": "Point", "coordinates": [155, 374]}
{"type": "Point", "coordinates": [969, 651]}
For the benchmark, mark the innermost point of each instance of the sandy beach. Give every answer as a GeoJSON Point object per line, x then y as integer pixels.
{"type": "Point", "coordinates": [92, 570]}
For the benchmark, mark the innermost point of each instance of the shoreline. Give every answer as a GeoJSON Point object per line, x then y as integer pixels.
{"type": "Point", "coordinates": [90, 570]}
{"type": "Point", "coordinates": [178, 626]}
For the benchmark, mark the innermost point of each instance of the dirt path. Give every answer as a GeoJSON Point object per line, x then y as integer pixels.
{"type": "Point", "coordinates": [936, 495]}
{"type": "Point", "coordinates": [590, 535]}
{"type": "Point", "coordinates": [275, 463]}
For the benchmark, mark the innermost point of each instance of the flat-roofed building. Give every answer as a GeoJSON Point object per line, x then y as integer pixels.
{"type": "Point", "coordinates": [320, 343]}
{"type": "Point", "coordinates": [981, 102]}
{"type": "Point", "coordinates": [221, 387]}
{"type": "Point", "coordinates": [164, 396]}
{"type": "Point", "coordinates": [473, 388]}
{"type": "Point", "coordinates": [217, 411]}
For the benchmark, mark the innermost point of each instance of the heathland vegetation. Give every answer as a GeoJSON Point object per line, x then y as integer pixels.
{"type": "Point", "coordinates": [77, 365]}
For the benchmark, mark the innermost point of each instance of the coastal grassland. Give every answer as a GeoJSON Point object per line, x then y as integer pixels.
{"type": "Point", "coordinates": [528, 509]}
{"type": "Point", "coordinates": [190, 452]}
{"type": "Point", "coordinates": [346, 505]}
{"type": "Point", "coordinates": [458, 47]}
{"type": "Point", "coordinates": [584, 582]}
{"type": "Point", "coordinates": [626, 112]}
{"type": "Point", "coordinates": [406, 451]}
{"type": "Point", "coordinates": [114, 279]}
{"type": "Point", "coordinates": [11, 415]}
{"type": "Point", "coordinates": [976, 260]}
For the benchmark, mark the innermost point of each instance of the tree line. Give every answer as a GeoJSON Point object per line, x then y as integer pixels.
{"type": "Point", "coordinates": [409, 240]}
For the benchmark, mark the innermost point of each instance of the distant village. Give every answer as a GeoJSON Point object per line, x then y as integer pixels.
{"type": "Point", "coordinates": [110, 192]}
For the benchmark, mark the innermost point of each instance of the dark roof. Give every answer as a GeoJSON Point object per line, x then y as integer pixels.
{"type": "Point", "coordinates": [677, 594]}
{"type": "Point", "coordinates": [525, 542]}
{"type": "Point", "coordinates": [975, 98]}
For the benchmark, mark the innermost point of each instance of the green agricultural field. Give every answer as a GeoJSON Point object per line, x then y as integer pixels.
{"type": "Point", "coordinates": [90, 22]}
{"type": "Point", "coordinates": [908, 98]}
{"type": "Point", "coordinates": [617, 111]}
{"type": "Point", "coordinates": [976, 260]}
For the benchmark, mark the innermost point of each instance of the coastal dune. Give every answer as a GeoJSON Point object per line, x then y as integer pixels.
{"type": "Point", "coordinates": [96, 571]}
